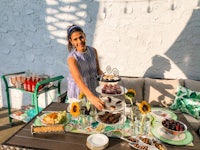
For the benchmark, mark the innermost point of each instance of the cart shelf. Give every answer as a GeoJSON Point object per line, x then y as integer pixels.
{"type": "Point", "coordinates": [47, 86]}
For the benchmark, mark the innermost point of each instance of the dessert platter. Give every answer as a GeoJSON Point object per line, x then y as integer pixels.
{"type": "Point", "coordinates": [50, 122]}
{"type": "Point", "coordinates": [174, 127]}
{"type": "Point", "coordinates": [108, 78]}
{"type": "Point", "coordinates": [110, 92]}
{"type": "Point", "coordinates": [144, 142]}
{"type": "Point", "coordinates": [112, 103]}
{"type": "Point", "coordinates": [110, 118]}
{"type": "Point", "coordinates": [48, 129]}
{"type": "Point", "coordinates": [173, 132]}
{"type": "Point", "coordinates": [111, 89]}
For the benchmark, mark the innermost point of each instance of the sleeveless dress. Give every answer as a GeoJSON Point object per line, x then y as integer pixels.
{"type": "Point", "coordinates": [87, 66]}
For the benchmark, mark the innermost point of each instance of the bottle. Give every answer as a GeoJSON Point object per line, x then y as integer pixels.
{"type": "Point", "coordinates": [33, 84]}
{"type": "Point", "coordinates": [29, 84]}
{"type": "Point", "coordinates": [25, 84]}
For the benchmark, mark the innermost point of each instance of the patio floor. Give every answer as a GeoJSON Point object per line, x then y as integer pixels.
{"type": "Point", "coordinates": [6, 130]}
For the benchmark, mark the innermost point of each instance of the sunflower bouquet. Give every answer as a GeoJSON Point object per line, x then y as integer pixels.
{"type": "Point", "coordinates": [85, 102]}
{"type": "Point", "coordinates": [130, 95]}
{"type": "Point", "coordinates": [144, 108]}
{"type": "Point", "coordinates": [75, 109]}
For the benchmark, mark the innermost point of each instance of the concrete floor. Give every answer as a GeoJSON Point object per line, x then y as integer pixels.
{"type": "Point", "coordinates": [6, 130]}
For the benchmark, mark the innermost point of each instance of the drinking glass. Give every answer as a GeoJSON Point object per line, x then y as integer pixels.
{"type": "Point", "coordinates": [13, 80]}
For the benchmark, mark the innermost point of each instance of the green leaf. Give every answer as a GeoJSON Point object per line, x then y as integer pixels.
{"type": "Point", "coordinates": [87, 105]}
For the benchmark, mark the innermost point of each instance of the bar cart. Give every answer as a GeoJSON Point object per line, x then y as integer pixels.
{"type": "Point", "coordinates": [34, 93]}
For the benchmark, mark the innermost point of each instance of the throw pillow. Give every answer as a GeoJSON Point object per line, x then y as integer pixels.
{"type": "Point", "coordinates": [187, 101]}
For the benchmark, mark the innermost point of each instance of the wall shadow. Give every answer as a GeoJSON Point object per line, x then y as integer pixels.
{"type": "Point", "coordinates": [159, 66]}
{"type": "Point", "coordinates": [185, 52]}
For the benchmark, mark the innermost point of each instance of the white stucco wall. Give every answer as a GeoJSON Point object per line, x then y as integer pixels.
{"type": "Point", "coordinates": [139, 37]}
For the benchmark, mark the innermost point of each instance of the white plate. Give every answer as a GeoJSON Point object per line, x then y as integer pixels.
{"type": "Point", "coordinates": [20, 117]}
{"type": "Point", "coordinates": [99, 90]}
{"type": "Point", "coordinates": [122, 119]}
{"type": "Point", "coordinates": [162, 113]}
{"type": "Point", "coordinates": [112, 103]}
{"type": "Point", "coordinates": [97, 140]}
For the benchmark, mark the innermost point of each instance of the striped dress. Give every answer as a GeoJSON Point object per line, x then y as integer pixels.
{"type": "Point", "coordinates": [87, 66]}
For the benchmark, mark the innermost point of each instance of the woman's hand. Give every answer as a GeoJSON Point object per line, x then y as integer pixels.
{"type": "Point", "coordinates": [99, 104]}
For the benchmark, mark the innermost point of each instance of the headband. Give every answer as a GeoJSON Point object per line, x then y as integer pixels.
{"type": "Point", "coordinates": [72, 28]}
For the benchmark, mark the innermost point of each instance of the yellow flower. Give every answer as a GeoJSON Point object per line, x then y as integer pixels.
{"type": "Point", "coordinates": [144, 107]}
{"type": "Point", "coordinates": [75, 109]}
{"type": "Point", "coordinates": [131, 93]}
{"type": "Point", "coordinates": [81, 95]}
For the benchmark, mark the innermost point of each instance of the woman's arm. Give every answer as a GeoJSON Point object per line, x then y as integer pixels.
{"type": "Point", "coordinates": [73, 68]}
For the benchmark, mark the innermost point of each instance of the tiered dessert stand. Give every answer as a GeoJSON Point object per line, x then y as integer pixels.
{"type": "Point", "coordinates": [112, 93]}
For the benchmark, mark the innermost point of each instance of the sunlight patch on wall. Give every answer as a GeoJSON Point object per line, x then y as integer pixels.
{"type": "Point", "coordinates": [61, 14]}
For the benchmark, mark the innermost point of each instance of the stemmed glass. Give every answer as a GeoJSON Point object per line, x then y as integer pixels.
{"type": "Point", "coordinates": [13, 80]}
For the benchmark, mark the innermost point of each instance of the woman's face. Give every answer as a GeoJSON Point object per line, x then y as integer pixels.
{"type": "Point", "coordinates": [78, 40]}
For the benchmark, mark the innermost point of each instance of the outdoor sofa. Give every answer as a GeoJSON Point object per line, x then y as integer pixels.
{"type": "Point", "coordinates": [157, 92]}
{"type": "Point", "coordinates": [162, 92]}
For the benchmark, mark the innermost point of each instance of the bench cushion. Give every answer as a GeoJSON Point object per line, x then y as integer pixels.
{"type": "Point", "coordinates": [136, 84]}
{"type": "Point", "coordinates": [161, 92]}
{"type": "Point", "coordinates": [192, 85]}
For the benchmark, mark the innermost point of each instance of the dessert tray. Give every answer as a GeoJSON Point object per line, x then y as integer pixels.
{"type": "Point", "coordinates": [181, 139]}
{"type": "Point", "coordinates": [144, 142]}
{"type": "Point", "coordinates": [112, 103]}
{"type": "Point", "coordinates": [122, 91]}
{"type": "Point", "coordinates": [50, 122]}
{"type": "Point", "coordinates": [60, 128]}
{"type": "Point", "coordinates": [51, 118]}
{"type": "Point", "coordinates": [110, 118]}
{"type": "Point", "coordinates": [108, 78]}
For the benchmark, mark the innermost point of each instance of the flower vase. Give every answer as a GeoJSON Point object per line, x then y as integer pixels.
{"type": "Point", "coordinates": [142, 124]}
{"type": "Point", "coordinates": [82, 122]}
{"type": "Point", "coordinates": [132, 115]}
{"type": "Point", "coordinates": [92, 113]}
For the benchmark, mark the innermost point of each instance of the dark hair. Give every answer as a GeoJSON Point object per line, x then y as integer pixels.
{"type": "Point", "coordinates": [70, 30]}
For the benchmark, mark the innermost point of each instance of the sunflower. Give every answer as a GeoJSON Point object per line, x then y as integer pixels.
{"type": "Point", "coordinates": [84, 100]}
{"type": "Point", "coordinates": [130, 93]}
{"type": "Point", "coordinates": [81, 95]}
{"type": "Point", "coordinates": [75, 109]}
{"type": "Point", "coordinates": [144, 107]}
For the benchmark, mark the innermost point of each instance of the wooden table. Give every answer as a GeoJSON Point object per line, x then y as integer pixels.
{"type": "Point", "coordinates": [74, 141]}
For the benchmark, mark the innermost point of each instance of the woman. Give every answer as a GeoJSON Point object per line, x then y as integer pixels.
{"type": "Point", "coordinates": [83, 67]}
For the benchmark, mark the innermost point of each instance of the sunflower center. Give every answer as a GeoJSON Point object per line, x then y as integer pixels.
{"type": "Point", "coordinates": [75, 109]}
{"type": "Point", "coordinates": [145, 108]}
